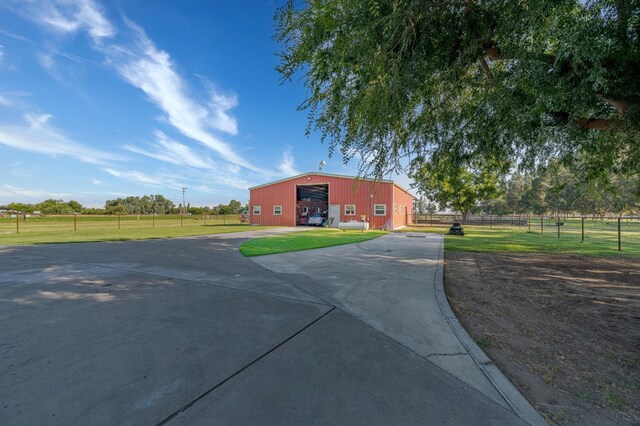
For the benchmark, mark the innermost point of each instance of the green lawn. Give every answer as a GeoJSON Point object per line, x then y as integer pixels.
{"type": "Point", "coordinates": [601, 238]}
{"type": "Point", "coordinates": [92, 229]}
{"type": "Point", "coordinates": [307, 240]}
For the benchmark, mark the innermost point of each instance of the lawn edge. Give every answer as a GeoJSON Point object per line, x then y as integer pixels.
{"type": "Point", "coordinates": [512, 396]}
{"type": "Point", "coordinates": [302, 249]}
{"type": "Point", "coordinates": [121, 239]}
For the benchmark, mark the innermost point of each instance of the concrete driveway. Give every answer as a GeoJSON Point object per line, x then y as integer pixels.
{"type": "Point", "coordinates": [188, 331]}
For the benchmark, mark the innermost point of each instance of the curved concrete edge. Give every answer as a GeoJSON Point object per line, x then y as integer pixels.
{"type": "Point", "coordinates": [503, 385]}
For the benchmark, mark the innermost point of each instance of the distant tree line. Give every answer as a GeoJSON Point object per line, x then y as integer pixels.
{"type": "Point", "coordinates": [147, 204]}
{"type": "Point", "coordinates": [554, 188]}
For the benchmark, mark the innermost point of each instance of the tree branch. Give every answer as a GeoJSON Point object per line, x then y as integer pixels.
{"type": "Point", "coordinates": [622, 105]}
{"type": "Point", "coordinates": [598, 123]}
{"type": "Point", "coordinates": [494, 54]}
{"type": "Point", "coordinates": [485, 67]}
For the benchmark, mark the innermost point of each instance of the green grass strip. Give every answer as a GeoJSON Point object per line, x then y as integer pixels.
{"type": "Point", "coordinates": [306, 240]}
{"type": "Point", "coordinates": [101, 232]}
{"type": "Point", "coordinates": [601, 239]}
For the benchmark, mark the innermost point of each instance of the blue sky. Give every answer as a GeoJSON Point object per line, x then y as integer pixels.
{"type": "Point", "coordinates": [102, 99]}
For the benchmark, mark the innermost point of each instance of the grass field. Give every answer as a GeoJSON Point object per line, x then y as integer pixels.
{"type": "Point", "coordinates": [601, 238]}
{"type": "Point", "coordinates": [297, 241]}
{"type": "Point", "coordinates": [60, 229]}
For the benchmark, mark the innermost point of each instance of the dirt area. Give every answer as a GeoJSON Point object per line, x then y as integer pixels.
{"type": "Point", "coordinates": [564, 329]}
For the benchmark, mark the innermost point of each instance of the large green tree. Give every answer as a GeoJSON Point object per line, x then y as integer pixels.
{"type": "Point", "coordinates": [456, 188]}
{"type": "Point", "coordinates": [52, 206]}
{"type": "Point", "coordinates": [496, 80]}
{"type": "Point", "coordinates": [147, 204]}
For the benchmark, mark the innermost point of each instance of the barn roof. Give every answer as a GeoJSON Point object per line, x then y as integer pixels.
{"type": "Point", "coordinates": [330, 175]}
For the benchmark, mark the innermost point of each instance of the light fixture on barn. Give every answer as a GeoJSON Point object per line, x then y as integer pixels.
{"type": "Point", "coordinates": [322, 164]}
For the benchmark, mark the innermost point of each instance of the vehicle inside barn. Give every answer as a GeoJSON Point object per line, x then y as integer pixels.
{"type": "Point", "coordinates": [311, 199]}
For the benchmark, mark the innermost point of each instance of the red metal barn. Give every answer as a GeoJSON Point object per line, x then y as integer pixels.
{"type": "Point", "coordinates": [291, 201]}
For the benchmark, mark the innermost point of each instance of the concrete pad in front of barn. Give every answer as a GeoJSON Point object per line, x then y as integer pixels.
{"type": "Point", "coordinates": [88, 344]}
{"type": "Point", "coordinates": [341, 371]}
{"type": "Point", "coordinates": [394, 284]}
{"type": "Point", "coordinates": [189, 331]}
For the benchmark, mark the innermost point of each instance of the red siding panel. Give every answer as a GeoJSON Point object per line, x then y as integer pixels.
{"type": "Point", "coordinates": [342, 190]}
{"type": "Point", "coordinates": [404, 202]}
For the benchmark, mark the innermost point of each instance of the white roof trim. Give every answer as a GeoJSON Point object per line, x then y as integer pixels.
{"type": "Point", "coordinates": [317, 174]}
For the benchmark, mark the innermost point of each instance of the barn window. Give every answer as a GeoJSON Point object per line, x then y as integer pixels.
{"type": "Point", "coordinates": [257, 210]}
{"type": "Point", "coordinates": [349, 209]}
{"type": "Point", "coordinates": [379, 209]}
{"type": "Point", "coordinates": [277, 210]}
{"type": "Point", "coordinates": [395, 209]}
{"type": "Point", "coordinates": [305, 210]}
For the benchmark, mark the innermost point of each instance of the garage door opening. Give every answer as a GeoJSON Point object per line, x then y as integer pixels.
{"type": "Point", "coordinates": [312, 204]}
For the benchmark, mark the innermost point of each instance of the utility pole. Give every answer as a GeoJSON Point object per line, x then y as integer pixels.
{"type": "Point", "coordinates": [184, 206]}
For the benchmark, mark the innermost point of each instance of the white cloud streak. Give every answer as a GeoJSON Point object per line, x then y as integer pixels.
{"type": "Point", "coordinates": [143, 65]}
{"type": "Point", "coordinates": [70, 16]}
{"type": "Point", "coordinates": [170, 151]}
{"type": "Point", "coordinates": [13, 192]}
{"type": "Point", "coordinates": [157, 180]}
{"type": "Point", "coordinates": [151, 70]}
{"type": "Point", "coordinates": [287, 165]}
{"type": "Point", "coordinates": [38, 136]}
{"type": "Point", "coordinates": [47, 61]}
{"type": "Point", "coordinates": [197, 181]}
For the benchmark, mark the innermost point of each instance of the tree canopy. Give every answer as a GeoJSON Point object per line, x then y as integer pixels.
{"type": "Point", "coordinates": [553, 189]}
{"type": "Point", "coordinates": [49, 206]}
{"type": "Point", "coordinates": [505, 82]}
{"type": "Point", "coordinates": [460, 188]}
{"type": "Point", "coordinates": [146, 204]}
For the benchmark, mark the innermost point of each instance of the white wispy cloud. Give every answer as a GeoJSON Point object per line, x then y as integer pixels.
{"type": "Point", "coordinates": [47, 61]}
{"type": "Point", "coordinates": [219, 104]}
{"type": "Point", "coordinates": [287, 165]}
{"type": "Point", "coordinates": [155, 180]}
{"type": "Point", "coordinates": [171, 151]}
{"type": "Point", "coordinates": [13, 192]}
{"type": "Point", "coordinates": [69, 16]}
{"type": "Point", "coordinates": [229, 179]}
{"type": "Point", "coordinates": [4, 64]}
{"type": "Point", "coordinates": [151, 70]}
{"type": "Point", "coordinates": [4, 101]}
{"type": "Point", "coordinates": [139, 62]}
{"type": "Point", "coordinates": [197, 181]}
{"type": "Point", "coordinates": [40, 137]}
{"type": "Point", "coordinates": [97, 182]}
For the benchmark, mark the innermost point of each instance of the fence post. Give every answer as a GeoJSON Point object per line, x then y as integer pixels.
{"type": "Point", "coordinates": [558, 225]}
{"type": "Point", "coordinates": [583, 229]}
{"type": "Point", "coordinates": [204, 219]}
{"type": "Point", "coordinates": [224, 219]}
{"type": "Point", "coordinates": [529, 222]}
{"type": "Point", "coordinates": [619, 242]}
{"type": "Point", "coordinates": [180, 219]}
{"type": "Point", "coordinates": [541, 225]}
{"type": "Point", "coordinates": [118, 221]}
{"type": "Point", "coordinates": [75, 226]}
{"type": "Point", "coordinates": [153, 220]}
{"type": "Point", "coordinates": [17, 224]}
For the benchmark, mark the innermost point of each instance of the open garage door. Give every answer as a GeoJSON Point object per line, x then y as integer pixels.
{"type": "Point", "coordinates": [312, 204]}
